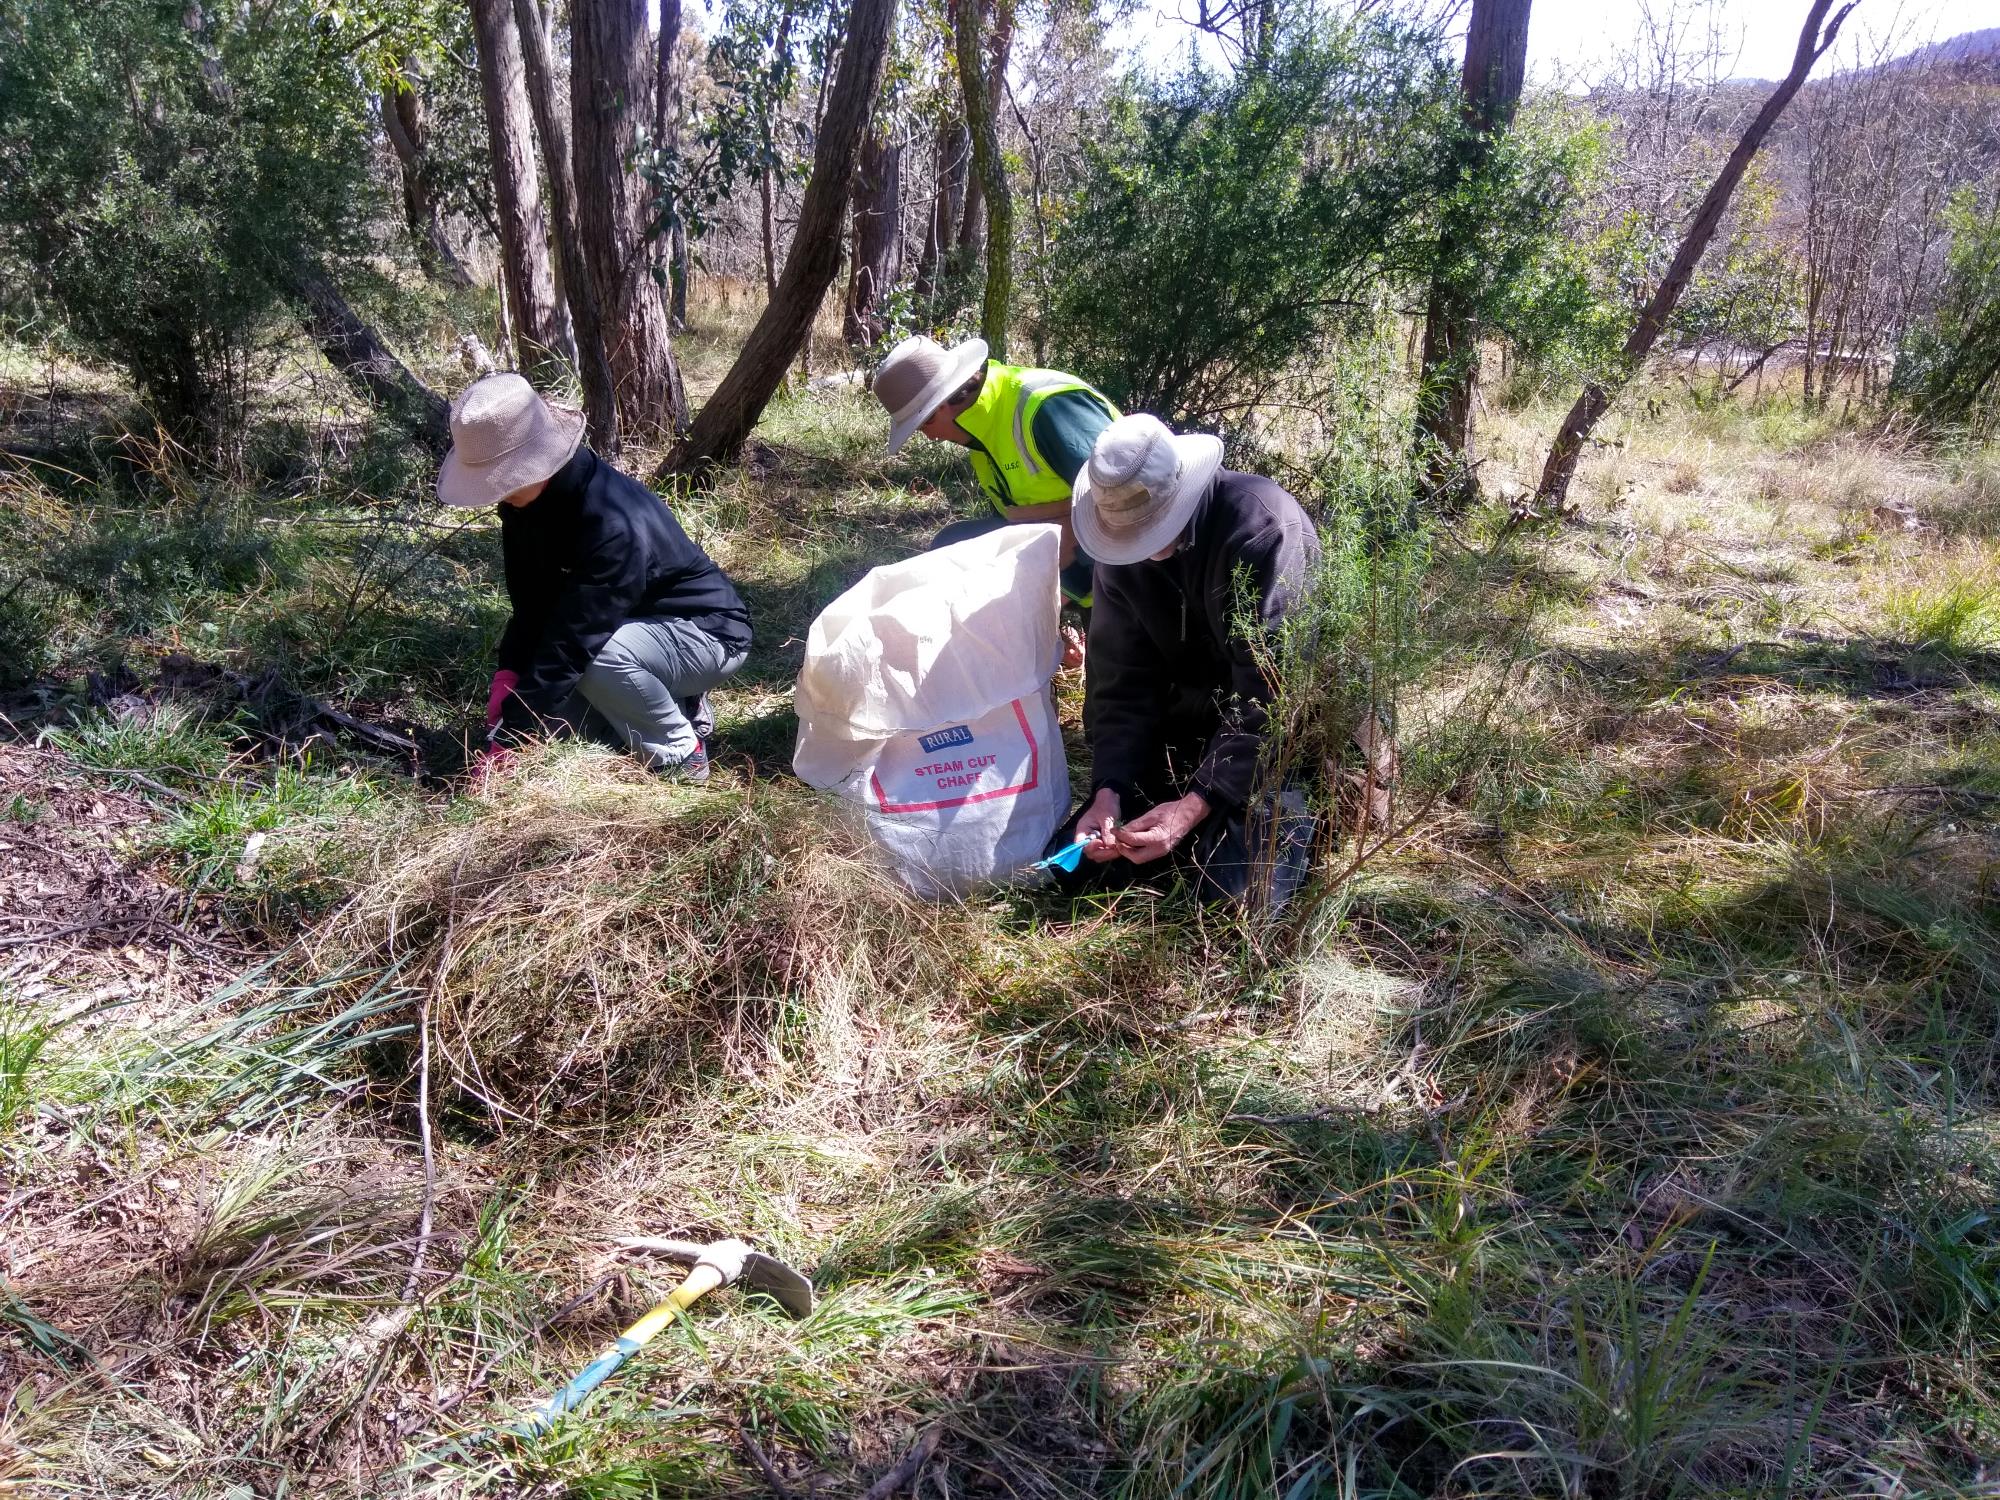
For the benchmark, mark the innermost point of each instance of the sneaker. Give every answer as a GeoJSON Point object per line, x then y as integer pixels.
{"type": "Point", "coordinates": [694, 767]}
{"type": "Point", "coordinates": [696, 711]}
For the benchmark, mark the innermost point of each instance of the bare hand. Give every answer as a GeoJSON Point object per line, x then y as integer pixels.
{"type": "Point", "coordinates": [1154, 835]}
{"type": "Point", "coordinates": [1099, 825]}
{"type": "Point", "coordinates": [1072, 640]}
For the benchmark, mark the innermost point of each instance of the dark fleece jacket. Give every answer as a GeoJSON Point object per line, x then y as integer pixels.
{"type": "Point", "coordinates": [1169, 663]}
{"type": "Point", "coordinates": [591, 552]}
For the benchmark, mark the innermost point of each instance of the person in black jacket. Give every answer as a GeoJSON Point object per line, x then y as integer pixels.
{"type": "Point", "coordinates": [621, 624]}
{"type": "Point", "coordinates": [1188, 554]}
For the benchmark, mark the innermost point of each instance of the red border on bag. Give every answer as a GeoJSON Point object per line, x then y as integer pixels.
{"type": "Point", "coordinates": [1034, 780]}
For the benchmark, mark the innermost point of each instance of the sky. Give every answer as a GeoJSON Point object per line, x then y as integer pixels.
{"type": "Point", "coordinates": [1572, 41]}
{"type": "Point", "coordinates": [1572, 38]}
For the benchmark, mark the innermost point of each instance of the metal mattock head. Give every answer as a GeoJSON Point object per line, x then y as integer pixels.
{"type": "Point", "coordinates": [760, 1273]}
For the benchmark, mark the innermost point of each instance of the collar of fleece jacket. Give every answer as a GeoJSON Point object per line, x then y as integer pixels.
{"type": "Point", "coordinates": [565, 492]}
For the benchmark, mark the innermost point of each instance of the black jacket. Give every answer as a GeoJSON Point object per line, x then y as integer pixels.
{"type": "Point", "coordinates": [1168, 665]}
{"type": "Point", "coordinates": [592, 551]}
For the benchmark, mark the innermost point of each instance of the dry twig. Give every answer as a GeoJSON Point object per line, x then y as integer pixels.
{"type": "Point", "coordinates": [907, 1468]}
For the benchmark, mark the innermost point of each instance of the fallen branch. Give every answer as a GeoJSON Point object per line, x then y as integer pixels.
{"type": "Point", "coordinates": [763, 1462]}
{"type": "Point", "coordinates": [906, 1470]}
{"type": "Point", "coordinates": [375, 734]}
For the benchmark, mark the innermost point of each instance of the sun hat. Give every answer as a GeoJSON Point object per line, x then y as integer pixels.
{"type": "Point", "coordinates": [916, 377]}
{"type": "Point", "coordinates": [504, 437]}
{"type": "Point", "coordinates": [1140, 487]}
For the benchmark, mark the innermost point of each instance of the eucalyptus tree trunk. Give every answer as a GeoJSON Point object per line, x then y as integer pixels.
{"type": "Point", "coordinates": [593, 362]}
{"type": "Point", "coordinates": [672, 245]}
{"type": "Point", "coordinates": [1496, 65]}
{"type": "Point", "coordinates": [877, 262]}
{"type": "Point", "coordinates": [611, 95]}
{"type": "Point", "coordinates": [402, 110]}
{"type": "Point", "coordinates": [954, 150]}
{"type": "Point", "coordinates": [980, 89]}
{"type": "Point", "coordinates": [353, 348]}
{"type": "Point", "coordinates": [1815, 37]}
{"type": "Point", "coordinates": [541, 328]}
{"type": "Point", "coordinates": [767, 221]}
{"type": "Point", "coordinates": [781, 331]}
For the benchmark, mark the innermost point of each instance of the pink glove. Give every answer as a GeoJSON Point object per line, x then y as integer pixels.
{"type": "Point", "coordinates": [488, 763]}
{"type": "Point", "coordinates": [504, 682]}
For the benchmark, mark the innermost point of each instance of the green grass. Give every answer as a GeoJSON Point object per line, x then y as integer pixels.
{"type": "Point", "coordinates": [170, 744]}
{"type": "Point", "coordinates": [1959, 612]}
{"type": "Point", "coordinates": [23, 1036]}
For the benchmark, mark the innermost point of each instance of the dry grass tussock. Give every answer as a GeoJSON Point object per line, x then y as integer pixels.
{"type": "Point", "coordinates": [588, 936]}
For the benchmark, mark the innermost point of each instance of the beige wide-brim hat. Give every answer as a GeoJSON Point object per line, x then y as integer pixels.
{"type": "Point", "coordinates": [504, 437]}
{"type": "Point", "coordinates": [916, 377]}
{"type": "Point", "coordinates": [1140, 488]}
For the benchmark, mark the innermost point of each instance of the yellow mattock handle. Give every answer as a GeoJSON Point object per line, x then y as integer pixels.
{"type": "Point", "coordinates": [699, 1282]}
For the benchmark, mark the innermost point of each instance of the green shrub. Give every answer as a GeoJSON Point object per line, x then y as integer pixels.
{"type": "Point", "coordinates": [1958, 611]}
{"type": "Point", "coordinates": [1224, 226]}
{"type": "Point", "coordinates": [1948, 369]}
{"type": "Point", "coordinates": [1225, 230]}
{"type": "Point", "coordinates": [164, 173]}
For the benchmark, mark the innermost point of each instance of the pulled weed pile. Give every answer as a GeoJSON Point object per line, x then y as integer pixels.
{"type": "Point", "coordinates": [593, 937]}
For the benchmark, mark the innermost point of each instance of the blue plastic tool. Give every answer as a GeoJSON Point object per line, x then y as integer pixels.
{"type": "Point", "coordinates": [1066, 858]}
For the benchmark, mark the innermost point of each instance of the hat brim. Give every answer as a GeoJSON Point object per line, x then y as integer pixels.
{"type": "Point", "coordinates": [474, 487]}
{"type": "Point", "coordinates": [1200, 456]}
{"type": "Point", "coordinates": [965, 359]}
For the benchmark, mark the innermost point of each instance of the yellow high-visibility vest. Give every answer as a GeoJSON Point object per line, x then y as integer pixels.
{"type": "Point", "coordinates": [1011, 469]}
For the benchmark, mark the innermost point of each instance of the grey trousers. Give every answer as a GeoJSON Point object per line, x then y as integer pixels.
{"type": "Point", "coordinates": [637, 692]}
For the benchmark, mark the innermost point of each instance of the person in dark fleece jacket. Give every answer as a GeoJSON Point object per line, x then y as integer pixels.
{"type": "Point", "coordinates": [621, 624]}
{"type": "Point", "coordinates": [1187, 553]}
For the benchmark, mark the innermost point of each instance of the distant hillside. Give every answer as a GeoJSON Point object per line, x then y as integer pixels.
{"type": "Point", "coordinates": [1972, 47]}
{"type": "Point", "coordinates": [1979, 50]}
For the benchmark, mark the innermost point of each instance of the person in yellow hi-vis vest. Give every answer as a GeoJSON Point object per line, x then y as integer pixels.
{"type": "Point", "coordinates": [1030, 433]}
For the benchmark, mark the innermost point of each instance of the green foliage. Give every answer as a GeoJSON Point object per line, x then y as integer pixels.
{"type": "Point", "coordinates": [170, 745]}
{"type": "Point", "coordinates": [1508, 256]}
{"type": "Point", "coordinates": [163, 175]}
{"type": "Point", "coordinates": [741, 129]}
{"type": "Point", "coordinates": [210, 839]}
{"type": "Point", "coordinates": [1949, 366]}
{"type": "Point", "coordinates": [22, 1037]}
{"type": "Point", "coordinates": [1747, 288]}
{"type": "Point", "coordinates": [1223, 227]}
{"type": "Point", "coordinates": [1958, 611]}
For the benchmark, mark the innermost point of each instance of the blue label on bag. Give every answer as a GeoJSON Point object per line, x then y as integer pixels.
{"type": "Point", "coordinates": [958, 734]}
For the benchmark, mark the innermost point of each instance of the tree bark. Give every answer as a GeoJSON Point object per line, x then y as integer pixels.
{"type": "Point", "coordinates": [954, 149]}
{"type": "Point", "coordinates": [679, 270]}
{"type": "Point", "coordinates": [968, 246]}
{"type": "Point", "coordinates": [670, 248]}
{"type": "Point", "coordinates": [814, 262]}
{"type": "Point", "coordinates": [980, 92]}
{"type": "Point", "coordinates": [877, 262]}
{"type": "Point", "coordinates": [600, 387]}
{"type": "Point", "coordinates": [402, 112]}
{"type": "Point", "coordinates": [768, 228]}
{"type": "Point", "coordinates": [541, 330]}
{"type": "Point", "coordinates": [1496, 65]}
{"type": "Point", "coordinates": [611, 93]}
{"type": "Point", "coordinates": [1815, 37]}
{"type": "Point", "coordinates": [366, 363]}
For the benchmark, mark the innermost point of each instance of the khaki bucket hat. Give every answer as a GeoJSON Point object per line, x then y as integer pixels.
{"type": "Point", "coordinates": [1140, 487]}
{"type": "Point", "coordinates": [504, 437]}
{"type": "Point", "coordinates": [916, 377]}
